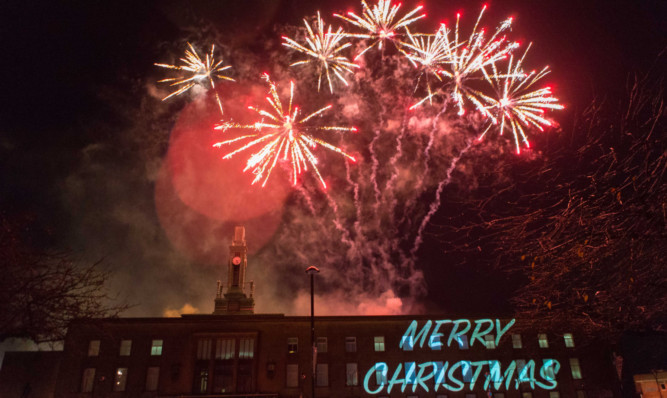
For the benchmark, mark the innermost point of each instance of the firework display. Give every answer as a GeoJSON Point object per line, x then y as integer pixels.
{"type": "Point", "coordinates": [194, 70]}
{"type": "Point", "coordinates": [283, 137]}
{"type": "Point", "coordinates": [378, 22]}
{"type": "Point", "coordinates": [416, 105]}
{"type": "Point", "coordinates": [324, 49]}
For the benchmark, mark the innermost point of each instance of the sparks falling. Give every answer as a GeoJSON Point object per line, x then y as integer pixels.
{"type": "Point", "coordinates": [468, 58]}
{"type": "Point", "coordinates": [284, 138]}
{"type": "Point", "coordinates": [428, 54]}
{"type": "Point", "coordinates": [194, 71]}
{"type": "Point", "coordinates": [324, 48]}
{"type": "Point", "coordinates": [517, 103]}
{"type": "Point", "coordinates": [379, 23]}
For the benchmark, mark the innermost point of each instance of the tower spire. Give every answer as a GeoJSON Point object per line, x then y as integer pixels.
{"type": "Point", "coordinates": [234, 300]}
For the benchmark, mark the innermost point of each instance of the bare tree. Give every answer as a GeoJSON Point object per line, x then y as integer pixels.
{"type": "Point", "coordinates": [584, 227]}
{"type": "Point", "coordinates": [42, 291]}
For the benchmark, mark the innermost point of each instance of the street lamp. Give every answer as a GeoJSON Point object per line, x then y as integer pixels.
{"type": "Point", "coordinates": [312, 270]}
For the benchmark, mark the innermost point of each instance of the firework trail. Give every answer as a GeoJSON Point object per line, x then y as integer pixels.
{"type": "Point", "coordinates": [194, 70]}
{"type": "Point", "coordinates": [285, 137]}
{"type": "Point", "coordinates": [429, 54]}
{"type": "Point", "coordinates": [517, 103]}
{"type": "Point", "coordinates": [378, 22]}
{"type": "Point", "coordinates": [324, 49]}
{"type": "Point", "coordinates": [435, 205]}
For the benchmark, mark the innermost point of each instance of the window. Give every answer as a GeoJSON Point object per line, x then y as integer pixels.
{"type": "Point", "coordinates": [379, 343]}
{"type": "Point", "coordinates": [203, 349]}
{"type": "Point", "coordinates": [246, 349]}
{"type": "Point", "coordinates": [201, 379]}
{"type": "Point", "coordinates": [87, 380]}
{"type": "Point", "coordinates": [521, 373]}
{"type": "Point", "coordinates": [94, 348]}
{"type": "Point", "coordinates": [322, 375]}
{"type": "Point", "coordinates": [125, 348]}
{"type": "Point", "coordinates": [527, 395]}
{"type": "Point", "coordinates": [292, 379]}
{"type": "Point", "coordinates": [576, 369]}
{"type": "Point", "coordinates": [542, 340]}
{"type": "Point", "coordinates": [321, 345]}
{"type": "Point", "coordinates": [152, 377]}
{"type": "Point", "coordinates": [381, 375]}
{"type": "Point", "coordinates": [549, 371]}
{"type": "Point", "coordinates": [407, 343]}
{"type": "Point", "coordinates": [516, 341]}
{"type": "Point", "coordinates": [463, 342]}
{"type": "Point", "coordinates": [581, 394]}
{"type": "Point", "coordinates": [292, 345]}
{"type": "Point", "coordinates": [499, 395]}
{"type": "Point", "coordinates": [351, 375]}
{"type": "Point", "coordinates": [410, 373]}
{"type": "Point", "coordinates": [569, 340]}
{"type": "Point", "coordinates": [224, 348]}
{"type": "Point", "coordinates": [490, 341]}
{"type": "Point", "coordinates": [554, 394]}
{"type": "Point", "coordinates": [466, 368]}
{"type": "Point", "coordinates": [441, 396]}
{"type": "Point", "coordinates": [471, 395]}
{"type": "Point", "coordinates": [350, 344]}
{"type": "Point", "coordinates": [156, 347]}
{"type": "Point", "coordinates": [120, 379]}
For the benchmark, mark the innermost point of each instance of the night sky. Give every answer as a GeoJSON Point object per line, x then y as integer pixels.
{"type": "Point", "coordinates": [100, 166]}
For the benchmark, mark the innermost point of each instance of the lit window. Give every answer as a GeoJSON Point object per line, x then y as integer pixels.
{"type": "Point", "coordinates": [292, 379]}
{"type": "Point", "coordinates": [246, 349]}
{"type": "Point", "coordinates": [581, 394]}
{"type": "Point", "coordinates": [463, 342]}
{"type": "Point", "coordinates": [521, 370]}
{"type": "Point", "coordinates": [576, 369]}
{"type": "Point", "coordinates": [466, 368]}
{"type": "Point", "coordinates": [407, 343]}
{"type": "Point", "coordinates": [292, 345]}
{"type": "Point", "coordinates": [156, 347]}
{"type": "Point", "coordinates": [322, 375]}
{"type": "Point", "coordinates": [379, 343]}
{"type": "Point", "coordinates": [527, 395]}
{"type": "Point", "coordinates": [125, 348]}
{"type": "Point", "coordinates": [204, 349]}
{"type": "Point", "coordinates": [569, 340]}
{"type": "Point", "coordinates": [87, 380]}
{"type": "Point", "coordinates": [201, 382]}
{"type": "Point", "coordinates": [350, 344]}
{"type": "Point", "coordinates": [490, 341]}
{"type": "Point", "coordinates": [351, 375]}
{"type": "Point", "coordinates": [542, 340]}
{"type": "Point", "coordinates": [516, 341]}
{"type": "Point", "coordinates": [152, 377]}
{"type": "Point", "coordinates": [224, 348]}
{"type": "Point", "coordinates": [410, 373]}
{"type": "Point", "coordinates": [550, 368]}
{"type": "Point", "coordinates": [94, 348]}
{"type": "Point", "coordinates": [381, 375]}
{"type": "Point", "coordinates": [120, 379]}
{"type": "Point", "coordinates": [321, 345]}
{"type": "Point", "coordinates": [554, 394]}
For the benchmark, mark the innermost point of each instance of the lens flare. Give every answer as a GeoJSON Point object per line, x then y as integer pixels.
{"type": "Point", "coordinates": [195, 70]}
{"type": "Point", "coordinates": [517, 103]}
{"type": "Point", "coordinates": [324, 49]}
{"type": "Point", "coordinates": [379, 22]}
{"type": "Point", "coordinates": [284, 137]}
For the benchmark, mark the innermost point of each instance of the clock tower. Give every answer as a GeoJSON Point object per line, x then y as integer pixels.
{"type": "Point", "coordinates": [236, 298]}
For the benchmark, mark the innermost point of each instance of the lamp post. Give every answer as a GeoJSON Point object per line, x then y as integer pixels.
{"type": "Point", "coordinates": [312, 270]}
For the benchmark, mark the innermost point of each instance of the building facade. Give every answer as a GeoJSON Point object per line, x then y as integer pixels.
{"type": "Point", "coordinates": [236, 353]}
